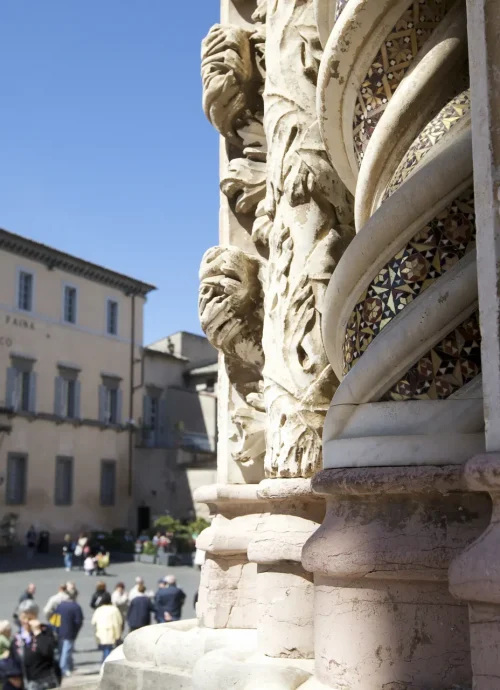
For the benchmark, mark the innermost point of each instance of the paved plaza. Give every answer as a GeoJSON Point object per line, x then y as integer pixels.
{"type": "Point", "coordinates": [47, 578]}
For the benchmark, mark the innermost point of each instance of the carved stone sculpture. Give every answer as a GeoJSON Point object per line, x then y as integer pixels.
{"type": "Point", "coordinates": [264, 312]}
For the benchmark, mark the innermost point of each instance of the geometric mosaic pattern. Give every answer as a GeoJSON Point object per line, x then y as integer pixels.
{"type": "Point", "coordinates": [428, 255]}
{"type": "Point", "coordinates": [391, 63]}
{"type": "Point", "coordinates": [450, 364]}
{"type": "Point", "coordinates": [432, 133]}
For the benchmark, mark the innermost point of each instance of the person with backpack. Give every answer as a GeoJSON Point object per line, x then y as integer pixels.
{"type": "Point", "coordinates": [70, 623]}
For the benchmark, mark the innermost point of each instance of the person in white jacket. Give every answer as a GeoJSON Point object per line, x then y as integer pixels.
{"type": "Point", "coordinates": [108, 625]}
{"type": "Point", "coordinates": [134, 592]}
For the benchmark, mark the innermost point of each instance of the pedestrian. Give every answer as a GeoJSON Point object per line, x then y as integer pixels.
{"type": "Point", "coordinates": [100, 590]}
{"type": "Point", "coordinates": [102, 560]}
{"type": "Point", "coordinates": [54, 601]}
{"type": "Point", "coordinates": [169, 600]}
{"type": "Point", "coordinates": [30, 542]}
{"type": "Point", "coordinates": [89, 565]}
{"type": "Point", "coordinates": [120, 599]}
{"type": "Point", "coordinates": [79, 555]}
{"type": "Point", "coordinates": [71, 621]}
{"type": "Point", "coordinates": [108, 625]}
{"type": "Point", "coordinates": [34, 650]}
{"type": "Point", "coordinates": [68, 549]}
{"type": "Point", "coordinates": [5, 638]}
{"type": "Point", "coordinates": [27, 595]}
{"type": "Point", "coordinates": [140, 610]}
{"type": "Point", "coordinates": [70, 586]}
{"type": "Point", "coordinates": [11, 674]}
{"type": "Point", "coordinates": [134, 592]}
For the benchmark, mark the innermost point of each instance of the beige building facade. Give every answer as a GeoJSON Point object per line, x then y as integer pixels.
{"type": "Point", "coordinates": [70, 351]}
{"type": "Point", "coordinates": [177, 431]}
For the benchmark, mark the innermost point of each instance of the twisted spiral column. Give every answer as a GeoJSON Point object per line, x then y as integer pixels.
{"type": "Point", "coordinates": [401, 327]}
{"type": "Point", "coordinates": [401, 331]}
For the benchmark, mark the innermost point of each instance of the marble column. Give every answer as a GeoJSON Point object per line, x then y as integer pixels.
{"type": "Point", "coordinates": [383, 613]}
{"type": "Point", "coordinates": [475, 574]}
{"type": "Point", "coordinates": [285, 591]}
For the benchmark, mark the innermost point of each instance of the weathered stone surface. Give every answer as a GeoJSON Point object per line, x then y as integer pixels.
{"type": "Point", "coordinates": [301, 225]}
{"type": "Point", "coordinates": [227, 595]}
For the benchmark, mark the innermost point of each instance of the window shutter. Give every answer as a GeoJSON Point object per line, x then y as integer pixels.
{"type": "Point", "coordinates": [78, 387]}
{"type": "Point", "coordinates": [162, 422]}
{"type": "Point", "coordinates": [10, 395]}
{"type": "Point", "coordinates": [102, 403]}
{"type": "Point", "coordinates": [59, 482]}
{"type": "Point", "coordinates": [68, 482]}
{"type": "Point", "coordinates": [16, 479]}
{"type": "Point", "coordinates": [119, 400]}
{"type": "Point", "coordinates": [32, 395]}
{"type": "Point", "coordinates": [58, 395]}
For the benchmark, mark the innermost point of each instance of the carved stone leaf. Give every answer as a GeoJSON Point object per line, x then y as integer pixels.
{"type": "Point", "coordinates": [260, 13]}
{"type": "Point", "coordinates": [261, 227]}
{"type": "Point", "coordinates": [250, 437]}
{"type": "Point", "coordinates": [253, 140]}
{"type": "Point", "coordinates": [311, 56]}
{"type": "Point", "coordinates": [245, 184]}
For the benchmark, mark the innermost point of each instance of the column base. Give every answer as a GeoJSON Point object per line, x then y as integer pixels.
{"type": "Point", "coordinates": [384, 617]}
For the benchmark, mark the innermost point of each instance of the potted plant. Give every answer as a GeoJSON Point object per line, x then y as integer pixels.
{"type": "Point", "coordinates": [149, 552]}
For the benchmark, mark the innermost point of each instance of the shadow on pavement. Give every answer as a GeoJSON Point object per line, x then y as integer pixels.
{"type": "Point", "coordinates": [16, 560]}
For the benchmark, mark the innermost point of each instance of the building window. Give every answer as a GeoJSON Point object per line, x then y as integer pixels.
{"type": "Point", "coordinates": [108, 482]}
{"type": "Point", "coordinates": [21, 387]}
{"type": "Point", "coordinates": [112, 317]}
{"type": "Point", "coordinates": [25, 291]}
{"type": "Point", "coordinates": [17, 475]}
{"type": "Point", "coordinates": [110, 402]}
{"type": "Point", "coordinates": [210, 385]}
{"type": "Point", "coordinates": [69, 304]}
{"type": "Point", "coordinates": [154, 419]}
{"type": "Point", "coordinates": [64, 481]}
{"type": "Point", "coordinates": [67, 395]}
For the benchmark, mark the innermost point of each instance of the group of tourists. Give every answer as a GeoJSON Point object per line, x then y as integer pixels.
{"type": "Point", "coordinates": [36, 655]}
{"type": "Point", "coordinates": [93, 559]}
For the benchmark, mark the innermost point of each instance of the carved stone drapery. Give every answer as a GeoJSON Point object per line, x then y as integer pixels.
{"type": "Point", "coordinates": [301, 216]}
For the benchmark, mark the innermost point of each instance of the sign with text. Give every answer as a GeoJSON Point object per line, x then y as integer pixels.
{"type": "Point", "coordinates": [19, 322]}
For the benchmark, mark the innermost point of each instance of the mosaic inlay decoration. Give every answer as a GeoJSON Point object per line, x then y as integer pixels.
{"type": "Point", "coordinates": [432, 133]}
{"type": "Point", "coordinates": [427, 256]}
{"type": "Point", "coordinates": [442, 371]}
{"type": "Point", "coordinates": [390, 65]}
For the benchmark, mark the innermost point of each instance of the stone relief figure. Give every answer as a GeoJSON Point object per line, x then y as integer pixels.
{"type": "Point", "coordinates": [263, 311]}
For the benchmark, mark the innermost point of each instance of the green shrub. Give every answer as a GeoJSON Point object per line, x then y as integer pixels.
{"type": "Point", "coordinates": [166, 523]}
{"type": "Point", "coordinates": [197, 526]}
{"type": "Point", "coordinates": [149, 549]}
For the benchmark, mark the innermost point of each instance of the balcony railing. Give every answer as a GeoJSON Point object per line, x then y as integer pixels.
{"type": "Point", "coordinates": [187, 440]}
{"type": "Point", "coordinates": [199, 443]}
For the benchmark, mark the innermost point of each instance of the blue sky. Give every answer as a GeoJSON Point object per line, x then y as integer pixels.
{"type": "Point", "coordinates": [105, 152]}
